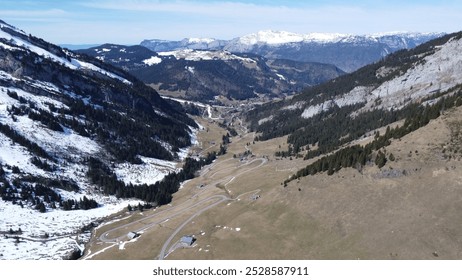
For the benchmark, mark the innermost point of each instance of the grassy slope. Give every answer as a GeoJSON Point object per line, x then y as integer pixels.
{"type": "Point", "coordinates": [350, 215]}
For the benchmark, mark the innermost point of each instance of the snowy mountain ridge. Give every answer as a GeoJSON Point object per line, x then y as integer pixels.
{"type": "Point", "coordinates": [283, 37]}
{"type": "Point", "coordinates": [200, 40]}
{"type": "Point", "coordinates": [347, 51]}
{"type": "Point", "coordinates": [66, 120]}
{"type": "Point", "coordinates": [72, 63]}
{"type": "Point", "coordinates": [271, 37]}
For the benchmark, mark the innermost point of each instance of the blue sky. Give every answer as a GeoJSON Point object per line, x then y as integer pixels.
{"type": "Point", "coordinates": [131, 21]}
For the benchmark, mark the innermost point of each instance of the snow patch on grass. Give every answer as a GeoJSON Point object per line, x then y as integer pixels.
{"type": "Point", "coordinates": [149, 172]}
{"type": "Point", "coordinates": [50, 235]}
{"type": "Point", "coordinates": [152, 60]}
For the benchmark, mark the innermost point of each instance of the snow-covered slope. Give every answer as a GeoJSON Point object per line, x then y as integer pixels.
{"type": "Point", "coordinates": [16, 43]}
{"type": "Point", "coordinates": [60, 111]}
{"type": "Point", "coordinates": [198, 55]}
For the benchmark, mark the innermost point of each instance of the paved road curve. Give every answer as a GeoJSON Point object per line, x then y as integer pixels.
{"type": "Point", "coordinates": [157, 218]}
{"type": "Point", "coordinates": [222, 198]}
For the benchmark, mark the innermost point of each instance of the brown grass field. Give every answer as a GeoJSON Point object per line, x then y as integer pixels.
{"type": "Point", "coordinates": [409, 209]}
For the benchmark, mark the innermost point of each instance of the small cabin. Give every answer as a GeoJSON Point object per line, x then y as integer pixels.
{"type": "Point", "coordinates": [188, 240]}
{"type": "Point", "coordinates": [132, 235]}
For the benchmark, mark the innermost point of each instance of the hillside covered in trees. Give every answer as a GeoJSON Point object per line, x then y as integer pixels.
{"type": "Point", "coordinates": [323, 118]}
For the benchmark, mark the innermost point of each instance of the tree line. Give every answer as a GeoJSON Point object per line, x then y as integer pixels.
{"type": "Point", "coordinates": [358, 156]}
{"type": "Point", "coordinates": [159, 193]}
{"type": "Point", "coordinates": [40, 196]}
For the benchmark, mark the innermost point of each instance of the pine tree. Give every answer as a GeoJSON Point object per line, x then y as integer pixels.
{"type": "Point", "coordinates": [391, 157]}
{"type": "Point", "coordinates": [41, 207]}
{"type": "Point", "coordinates": [380, 160]}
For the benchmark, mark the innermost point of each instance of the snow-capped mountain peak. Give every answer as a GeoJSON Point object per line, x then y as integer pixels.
{"type": "Point", "coordinates": [200, 40]}
{"type": "Point", "coordinates": [271, 37]}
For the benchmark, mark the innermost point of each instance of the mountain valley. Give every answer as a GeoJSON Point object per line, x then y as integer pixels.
{"type": "Point", "coordinates": [204, 76]}
{"type": "Point", "coordinates": [120, 152]}
{"type": "Point", "coordinates": [404, 210]}
{"type": "Point", "coordinates": [399, 201]}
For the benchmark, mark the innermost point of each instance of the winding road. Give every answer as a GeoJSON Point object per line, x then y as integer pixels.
{"type": "Point", "coordinates": [115, 235]}
{"type": "Point", "coordinates": [104, 237]}
{"type": "Point", "coordinates": [180, 227]}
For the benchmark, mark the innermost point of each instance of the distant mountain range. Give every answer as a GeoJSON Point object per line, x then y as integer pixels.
{"type": "Point", "coordinates": [202, 75]}
{"type": "Point", "coordinates": [348, 52]}
{"type": "Point", "coordinates": [264, 64]}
